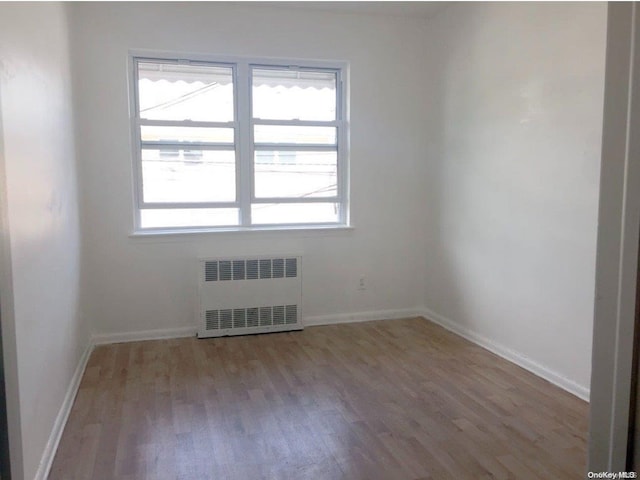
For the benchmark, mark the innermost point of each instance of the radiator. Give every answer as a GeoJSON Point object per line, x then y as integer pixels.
{"type": "Point", "coordinates": [239, 296]}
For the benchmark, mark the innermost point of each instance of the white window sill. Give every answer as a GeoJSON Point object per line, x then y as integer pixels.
{"type": "Point", "coordinates": [178, 234]}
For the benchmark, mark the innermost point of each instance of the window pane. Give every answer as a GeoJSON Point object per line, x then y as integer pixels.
{"type": "Point", "coordinates": [289, 134]}
{"type": "Point", "coordinates": [150, 133]}
{"type": "Point", "coordinates": [183, 175]}
{"type": "Point", "coordinates": [169, 91]}
{"type": "Point", "coordinates": [297, 174]}
{"type": "Point", "coordinates": [188, 217]}
{"type": "Point", "coordinates": [284, 94]}
{"type": "Point", "coordinates": [286, 213]}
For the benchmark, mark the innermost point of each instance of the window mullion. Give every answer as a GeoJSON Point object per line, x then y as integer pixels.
{"type": "Point", "coordinates": [244, 144]}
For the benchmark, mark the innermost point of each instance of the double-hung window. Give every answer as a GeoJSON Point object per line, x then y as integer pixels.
{"type": "Point", "coordinates": [238, 144]}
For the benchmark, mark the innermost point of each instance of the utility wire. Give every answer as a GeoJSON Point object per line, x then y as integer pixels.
{"type": "Point", "coordinates": [182, 98]}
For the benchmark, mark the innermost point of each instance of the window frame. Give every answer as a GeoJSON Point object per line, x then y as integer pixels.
{"type": "Point", "coordinates": [244, 146]}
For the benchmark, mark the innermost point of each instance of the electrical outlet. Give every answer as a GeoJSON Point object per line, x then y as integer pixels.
{"type": "Point", "coordinates": [362, 285]}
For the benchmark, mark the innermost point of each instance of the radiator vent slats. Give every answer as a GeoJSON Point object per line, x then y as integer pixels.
{"type": "Point", "coordinates": [265, 269]}
{"type": "Point", "coordinates": [253, 269]}
{"type": "Point", "coordinates": [292, 267]}
{"type": "Point", "coordinates": [278, 315]}
{"type": "Point", "coordinates": [249, 295]}
{"type": "Point", "coordinates": [226, 319]}
{"type": "Point", "coordinates": [225, 270]}
{"type": "Point", "coordinates": [211, 271]}
{"type": "Point", "coordinates": [238, 269]}
{"type": "Point", "coordinates": [251, 317]}
{"type": "Point", "coordinates": [239, 317]}
{"type": "Point", "coordinates": [291, 314]}
{"type": "Point", "coordinates": [277, 268]}
{"type": "Point", "coordinates": [265, 317]}
{"type": "Point", "coordinates": [212, 321]}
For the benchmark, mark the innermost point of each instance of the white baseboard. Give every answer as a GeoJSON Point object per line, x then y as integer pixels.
{"type": "Point", "coordinates": [63, 415]}
{"type": "Point", "coordinates": [180, 332]}
{"type": "Point", "coordinates": [534, 367]}
{"type": "Point", "coordinates": [361, 317]}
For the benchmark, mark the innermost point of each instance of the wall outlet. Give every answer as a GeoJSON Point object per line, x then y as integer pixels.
{"type": "Point", "coordinates": [362, 284]}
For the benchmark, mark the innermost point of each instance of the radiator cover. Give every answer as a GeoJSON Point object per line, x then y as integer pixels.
{"type": "Point", "coordinates": [239, 296]}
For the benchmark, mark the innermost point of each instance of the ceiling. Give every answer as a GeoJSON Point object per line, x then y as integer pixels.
{"type": "Point", "coordinates": [400, 9]}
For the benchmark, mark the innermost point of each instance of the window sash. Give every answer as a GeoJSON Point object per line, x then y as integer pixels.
{"type": "Point", "coordinates": [160, 145]}
{"type": "Point", "coordinates": [339, 106]}
{"type": "Point", "coordinates": [243, 145]}
{"type": "Point", "coordinates": [184, 123]}
{"type": "Point", "coordinates": [299, 147]}
{"type": "Point", "coordinates": [185, 205]}
{"type": "Point", "coordinates": [335, 199]}
{"type": "Point", "coordinates": [338, 123]}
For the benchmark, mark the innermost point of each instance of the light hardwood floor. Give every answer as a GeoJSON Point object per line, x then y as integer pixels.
{"type": "Point", "coordinates": [400, 399]}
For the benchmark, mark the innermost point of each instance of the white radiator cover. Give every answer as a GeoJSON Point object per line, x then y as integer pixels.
{"type": "Point", "coordinates": [244, 295]}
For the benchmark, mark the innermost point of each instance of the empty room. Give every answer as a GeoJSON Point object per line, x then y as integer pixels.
{"type": "Point", "coordinates": [318, 240]}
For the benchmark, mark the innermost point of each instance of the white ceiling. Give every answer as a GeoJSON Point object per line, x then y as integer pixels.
{"type": "Point", "coordinates": [402, 9]}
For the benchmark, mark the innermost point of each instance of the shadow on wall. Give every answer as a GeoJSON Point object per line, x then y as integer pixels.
{"type": "Point", "coordinates": [513, 176]}
{"type": "Point", "coordinates": [442, 278]}
{"type": "Point", "coordinates": [4, 429]}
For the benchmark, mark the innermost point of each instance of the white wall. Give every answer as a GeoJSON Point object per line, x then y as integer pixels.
{"type": "Point", "coordinates": [512, 183]}
{"type": "Point", "coordinates": [141, 284]}
{"type": "Point", "coordinates": [42, 316]}
{"type": "Point", "coordinates": [475, 150]}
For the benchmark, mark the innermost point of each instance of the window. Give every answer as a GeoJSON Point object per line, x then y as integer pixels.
{"type": "Point", "coordinates": [238, 144]}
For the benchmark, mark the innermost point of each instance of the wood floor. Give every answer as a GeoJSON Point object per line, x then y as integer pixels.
{"type": "Point", "coordinates": [392, 400]}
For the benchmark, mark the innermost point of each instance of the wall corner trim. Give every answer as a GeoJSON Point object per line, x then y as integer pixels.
{"type": "Point", "coordinates": [532, 366]}
{"type": "Point", "coordinates": [63, 415]}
